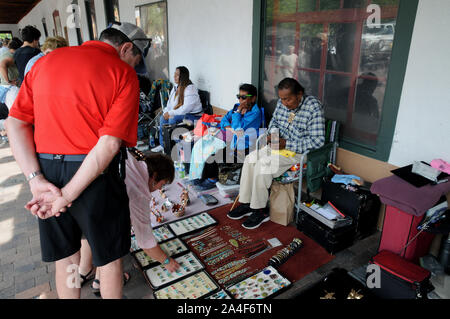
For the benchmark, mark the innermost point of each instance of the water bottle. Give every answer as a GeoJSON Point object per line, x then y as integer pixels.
{"type": "Point", "coordinates": [177, 168]}
{"type": "Point", "coordinates": [181, 170]}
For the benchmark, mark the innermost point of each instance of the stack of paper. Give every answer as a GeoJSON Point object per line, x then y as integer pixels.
{"type": "Point", "coordinates": [326, 211]}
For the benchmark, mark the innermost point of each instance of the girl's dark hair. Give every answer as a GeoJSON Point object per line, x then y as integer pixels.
{"type": "Point", "coordinates": [160, 164]}
{"type": "Point", "coordinates": [250, 89]}
{"type": "Point", "coordinates": [15, 43]}
{"type": "Point", "coordinates": [183, 83]}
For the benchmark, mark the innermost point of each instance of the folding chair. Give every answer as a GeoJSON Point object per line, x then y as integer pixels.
{"type": "Point", "coordinates": [316, 164]}
{"type": "Point", "coordinates": [159, 95]}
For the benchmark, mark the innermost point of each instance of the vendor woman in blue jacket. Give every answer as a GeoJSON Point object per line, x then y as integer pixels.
{"type": "Point", "coordinates": [242, 123]}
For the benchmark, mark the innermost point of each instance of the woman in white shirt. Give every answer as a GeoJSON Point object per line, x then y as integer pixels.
{"type": "Point", "coordinates": [184, 103]}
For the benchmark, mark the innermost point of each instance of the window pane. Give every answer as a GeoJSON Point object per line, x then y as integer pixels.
{"type": "Point", "coordinates": [310, 81]}
{"type": "Point", "coordinates": [386, 3]}
{"type": "Point", "coordinates": [115, 4]}
{"type": "Point", "coordinates": [288, 6]}
{"type": "Point", "coordinates": [368, 104]}
{"type": "Point", "coordinates": [310, 47]}
{"type": "Point", "coordinates": [354, 4]}
{"type": "Point", "coordinates": [336, 92]}
{"type": "Point", "coordinates": [329, 4]}
{"type": "Point", "coordinates": [307, 5]}
{"type": "Point", "coordinates": [153, 19]}
{"type": "Point", "coordinates": [341, 41]}
{"type": "Point", "coordinates": [286, 57]}
{"type": "Point", "coordinates": [376, 47]}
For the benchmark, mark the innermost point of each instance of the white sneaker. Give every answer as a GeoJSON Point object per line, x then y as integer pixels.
{"type": "Point", "coordinates": [158, 149]}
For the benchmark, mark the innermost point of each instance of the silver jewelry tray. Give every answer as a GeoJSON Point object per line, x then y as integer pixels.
{"type": "Point", "coordinates": [163, 233]}
{"type": "Point", "coordinates": [173, 248]}
{"type": "Point", "coordinates": [192, 224]}
{"type": "Point", "coordinates": [159, 277]}
{"type": "Point", "coordinates": [196, 286]}
{"type": "Point", "coordinates": [264, 284]}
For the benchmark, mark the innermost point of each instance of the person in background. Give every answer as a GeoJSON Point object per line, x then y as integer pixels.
{"type": "Point", "coordinates": [288, 63]}
{"type": "Point", "coordinates": [30, 48]}
{"type": "Point", "coordinates": [297, 126]}
{"type": "Point", "coordinates": [4, 45]}
{"type": "Point", "coordinates": [9, 73]}
{"type": "Point", "coordinates": [184, 103]}
{"type": "Point", "coordinates": [8, 81]}
{"type": "Point", "coordinates": [7, 96]}
{"type": "Point", "coordinates": [49, 45]}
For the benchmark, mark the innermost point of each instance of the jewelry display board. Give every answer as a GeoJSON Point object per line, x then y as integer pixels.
{"type": "Point", "coordinates": [163, 233]}
{"type": "Point", "coordinates": [196, 286]}
{"type": "Point", "coordinates": [262, 285]}
{"type": "Point", "coordinates": [159, 276]}
{"type": "Point", "coordinates": [228, 253]}
{"type": "Point", "coordinates": [192, 224]}
{"type": "Point", "coordinates": [134, 246]}
{"type": "Point", "coordinates": [221, 294]}
{"type": "Point", "coordinates": [172, 248]}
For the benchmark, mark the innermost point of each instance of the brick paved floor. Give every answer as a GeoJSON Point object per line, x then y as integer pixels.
{"type": "Point", "coordinates": [21, 268]}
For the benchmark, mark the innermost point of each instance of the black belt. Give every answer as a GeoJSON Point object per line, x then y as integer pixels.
{"type": "Point", "coordinates": [63, 158]}
{"type": "Point", "coordinates": [118, 161]}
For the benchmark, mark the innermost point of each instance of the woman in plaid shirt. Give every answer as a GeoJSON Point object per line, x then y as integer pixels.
{"type": "Point", "coordinates": [297, 126]}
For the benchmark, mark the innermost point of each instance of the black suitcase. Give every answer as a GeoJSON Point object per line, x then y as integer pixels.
{"type": "Point", "coordinates": [333, 240]}
{"type": "Point", "coordinates": [361, 205]}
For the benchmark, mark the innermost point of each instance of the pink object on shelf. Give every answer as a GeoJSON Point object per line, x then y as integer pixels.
{"type": "Point", "coordinates": [441, 165]}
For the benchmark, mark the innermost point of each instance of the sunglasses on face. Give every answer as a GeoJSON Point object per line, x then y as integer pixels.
{"type": "Point", "coordinates": [243, 97]}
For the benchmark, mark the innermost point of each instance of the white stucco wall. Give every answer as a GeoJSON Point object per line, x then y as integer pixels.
{"type": "Point", "coordinates": [45, 10]}
{"type": "Point", "coordinates": [213, 39]}
{"type": "Point", "coordinates": [423, 124]}
{"type": "Point", "coordinates": [10, 27]}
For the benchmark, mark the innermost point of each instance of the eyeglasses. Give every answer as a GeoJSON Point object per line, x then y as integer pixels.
{"type": "Point", "coordinates": [243, 96]}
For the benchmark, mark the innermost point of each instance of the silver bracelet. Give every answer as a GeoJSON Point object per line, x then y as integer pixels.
{"type": "Point", "coordinates": [33, 175]}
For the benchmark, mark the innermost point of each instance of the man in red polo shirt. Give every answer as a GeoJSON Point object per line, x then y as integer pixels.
{"type": "Point", "coordinates": [81, 104]}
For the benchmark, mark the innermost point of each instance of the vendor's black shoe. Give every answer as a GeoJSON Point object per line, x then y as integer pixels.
{"type": "Point", "coordinates": [256, 218]}
{"type": "Point", "coordinates": [241, 211]}
{"type": "Point", "coordinates": [193, 182]}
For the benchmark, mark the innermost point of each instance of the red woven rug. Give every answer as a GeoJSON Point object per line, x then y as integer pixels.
{"type": "Point", "coordinates": [310, 257]}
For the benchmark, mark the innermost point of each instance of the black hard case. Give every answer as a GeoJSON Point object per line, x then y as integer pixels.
{"type": "Point", "coordinates": [333, 240]}
{"type": "Point", "coordinates": [362, 206]}
{"type": "Point", "coordinates": [339, 283]}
